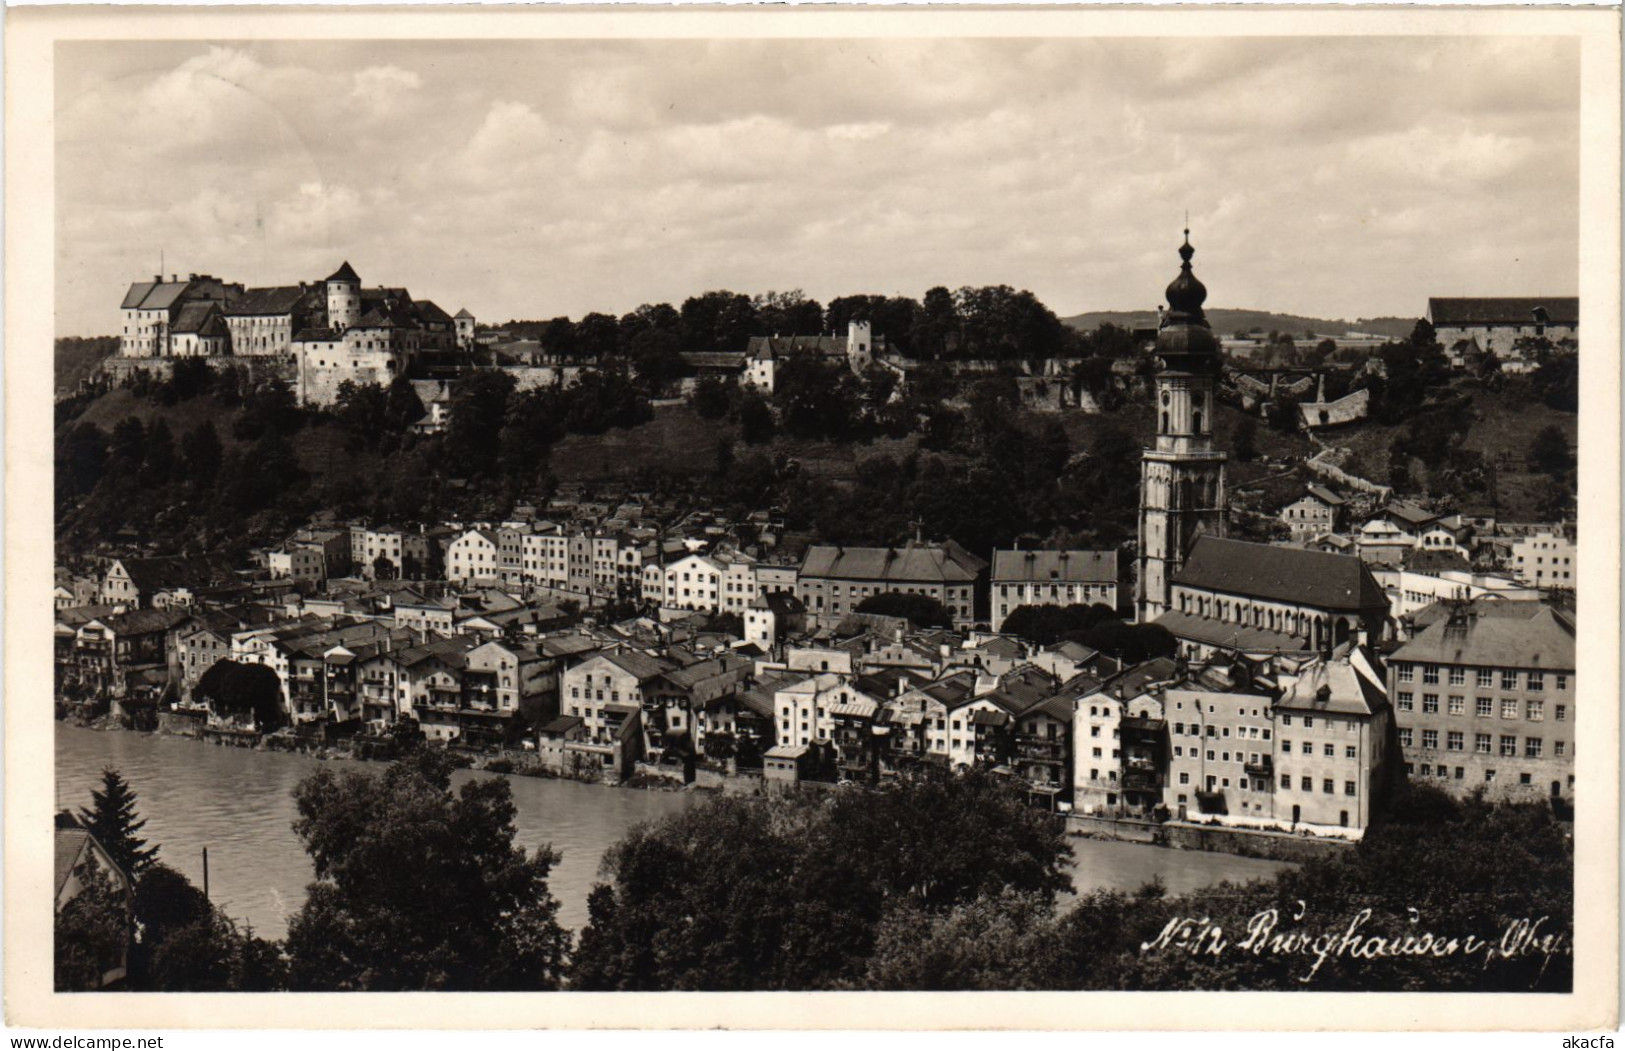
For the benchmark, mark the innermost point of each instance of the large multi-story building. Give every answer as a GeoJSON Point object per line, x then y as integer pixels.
{"type": "Point", "coordinates": [1545, 559]}
{"type": "Point", "coordinates": [1484, 695]}
{"type": "Point", "coordinates": [1052, 578]}
{"type": "Point", "coordinates": [1182, 490]}
{"type": "Point", "coordinates": [834, 581]}
{"type": "Point", "coordinates": [1495, 324]}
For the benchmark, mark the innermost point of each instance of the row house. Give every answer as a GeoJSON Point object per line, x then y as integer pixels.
{"type": "Point", "coordinates": [391, 553]}
{"type": "Point", "coordinates": [146, 583]}
{"type": "Point", "coordinates": [1484, 696]}
{"type": "Point", "coordinates": [297, 562]}
{"type": "Point", "coordinates": [1107, 776]}
{"type": "Point", "coordinates": [473, 558]}
{"type": "Point", "coordinates": [606, 691]}
{"type": "Point", "coordinates": [1055, 578]}
{"type": "Point", "coordinates": [111, 653]}
{"type": "Point", "coordinates": [804, 708]}
{"type": "Point", "coordinates": [675, 704]}
{"type": "Point", "coordinates": [1545, 559]}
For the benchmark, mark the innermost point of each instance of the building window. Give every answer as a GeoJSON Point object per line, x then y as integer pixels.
{"type": "Point", "coordinates": [1481, 744]}
{"type": "Point", "coordinates": [1509, 709]}
{"type": "Point", "coordinates": [1560, 748]}
{"type": "Point", "coordinates": [1348, 788]}
{"type": "Point", "coordinates": [1349, 752]}
{"type": "Point", "coordinates": [1458, 705]}
{"type": "Point", "coordinates": [1458, 676]}
{"type": "Point", "coordinates": [1535, 711]}
{"type": "Point", "coordinates": [1405, 702]}
{"type": "Point", "coordinates": [1430, 674]}
{"type": "Point", "coordinates": [1430, 739]}
{"type": "Point", "coordinates": [1485, 707]}
{"type": "Point", "coordinates": [1286, 781]}
{"type": "Point", "coordinates": [1307, 784]}
{"type": "Point", "coordinates": [1560, 712]}
{"type": "Point", "coordinates": [1562, 681]}
{"type": "Point", "coordinates": [1537, 681]}
{"type": "Point", "coordinates": [1509, 679]}
{"type": "Point", "coordinates": [1509, 745]}
{"type": "Point", "coordinates": [1485, 678]}
{"type": "Point", "coordinates": [1328, 786]}
{"type": "Point", "coordinates": [1329, 751]}
{"type": "Point", "coordinates": [1489, 776]}
{"type": "Point", "coordinates": [1405, 673]}
{"type": "Point", "coordinates": [1455, 741]}
{"type": "Point", "coordinates": [1430, 703]}
{"type": "Point", "coordinates": [1308, 748]}
{"type": "Point", "coordinates": [1532, 747]}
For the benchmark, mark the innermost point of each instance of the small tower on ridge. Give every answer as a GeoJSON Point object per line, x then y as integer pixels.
{"type": "Point", "coordinates": [343, 298]}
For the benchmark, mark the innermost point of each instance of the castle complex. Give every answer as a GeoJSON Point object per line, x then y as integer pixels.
{"type": "Point", "coordinates": [331, 331]}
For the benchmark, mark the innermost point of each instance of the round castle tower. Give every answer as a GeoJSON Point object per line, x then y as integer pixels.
{"type": "Point", "coordinates": [343, 299]}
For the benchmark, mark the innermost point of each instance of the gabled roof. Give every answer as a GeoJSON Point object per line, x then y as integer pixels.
{"type": "Point", "coordinates": [1059, 567]}
{"type": "Point", "coordinates": [1503, 310]}
{"type": "Point", "coordinates": [202, 318]}
{"type": "Point", "coordinates": [1212, 632]}
{"type": "Point", "coordinates": [345, 273]}
{"type": "Point", "coordinates": [1318, 579]}
{"type": "Point", "coordinates": [144, 621]}
{"type": "Point", "coordinates": [464, 315]}
{"type": "Point", "coordinates": [172, 571]}
{"type": "Point", "coordinates": [1324, 495]}
{"type": "Point", "coordinates": [154, 295]}
{"type": "Point", "coordinates": [640, 666]}
{"type": "Point", "coordinates": [1408, 512]}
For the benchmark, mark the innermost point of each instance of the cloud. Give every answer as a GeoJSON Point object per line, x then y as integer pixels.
{"type": "Point", "coordinates": [533, 178]}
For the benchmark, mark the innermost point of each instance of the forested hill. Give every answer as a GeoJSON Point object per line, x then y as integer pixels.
{"type": "Point", "coordinates": [1226, 320]}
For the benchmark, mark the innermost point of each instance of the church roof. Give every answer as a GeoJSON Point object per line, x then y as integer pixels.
{"type": "Point", "coordinates": [1318, 579]}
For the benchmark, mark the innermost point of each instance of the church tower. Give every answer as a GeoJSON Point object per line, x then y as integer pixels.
{"type": "Point", "coordinates": [1182, 477]}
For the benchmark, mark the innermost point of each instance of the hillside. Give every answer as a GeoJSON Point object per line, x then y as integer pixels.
{"type": "Point", "coordinates": [1226, 320]}
{"type": "Point", "coordinates": [76, 357]}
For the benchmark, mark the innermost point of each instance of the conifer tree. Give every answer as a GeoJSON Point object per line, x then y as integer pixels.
{"type": "Point", "coordinates": [112, 820]}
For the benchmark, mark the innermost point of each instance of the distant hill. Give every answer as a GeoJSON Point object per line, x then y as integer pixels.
{"type": "Point", "coordinates": [76, 358]}
{"type": "Point", "coordinates": [1226, 321]}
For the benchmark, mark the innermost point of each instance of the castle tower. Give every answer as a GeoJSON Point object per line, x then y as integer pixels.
{"type": "Point", "coordinates": [860, 351]}
{"type": "Point", "coordinates": [465, 328]}
{"type": "Point", "coordinates": [1182, 477]}
{"type": "Point", "coordinates": [343, 298]}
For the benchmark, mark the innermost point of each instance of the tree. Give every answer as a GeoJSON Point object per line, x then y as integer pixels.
{"type": "Point", "coordinates": [201, 455]}
{"type": "Point", "coordinates": [112, 820]}
{"type": "Point", "coordinates": [419, 888]}
{"type": "Point", "coordinates": [479, 403]}
{"type": "Point", "coordinates": [1549, 453]}
{"type": "Point", "coordinates": [742, 893]}
{"type": "Point", "coordinates": [922, 611]}
{"type": "Point", "coordinates": [755, 418]}
{"type": "Point", "coordinates": [1046, 625]}
{"type": "Point", "coordinates": [402, 406]}
{"type": "Point", "coordinates": [1244, 441]}
{"type": "Point", "coordinates": [710, 398]}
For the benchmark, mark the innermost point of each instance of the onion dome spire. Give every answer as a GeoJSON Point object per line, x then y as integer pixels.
{"type": "Point", "coordinates": [1186, 294]}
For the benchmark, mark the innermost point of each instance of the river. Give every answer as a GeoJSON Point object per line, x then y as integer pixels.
{"type": "Point", "coordinates": [239, 804]}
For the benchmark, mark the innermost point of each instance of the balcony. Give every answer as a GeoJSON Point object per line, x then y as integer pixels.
{"type": "Point", "coordinates": [1141, 781]}
{"type": "Point", "coordinates": [1265, 767]}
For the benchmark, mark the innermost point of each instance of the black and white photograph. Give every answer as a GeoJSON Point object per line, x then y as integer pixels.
{"type": "Point", "coordinates": [923, 507]}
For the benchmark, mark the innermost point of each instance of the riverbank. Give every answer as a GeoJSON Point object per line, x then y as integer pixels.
{"type": "Point", "coordinates": [1263, 844]}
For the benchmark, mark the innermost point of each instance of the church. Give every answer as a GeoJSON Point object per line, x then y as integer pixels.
{"type": "Point", "coordinates": [1213, 593]}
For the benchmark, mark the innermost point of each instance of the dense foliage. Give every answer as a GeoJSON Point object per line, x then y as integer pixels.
{"type": "Point", "coordinates": [792, 894]}
{"type": "Point", "coordinates": [420, 888]}
{"type": "Point", "coordinates": [922, 611]}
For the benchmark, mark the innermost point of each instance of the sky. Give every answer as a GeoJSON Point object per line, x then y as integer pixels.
{"type": "Point", "coordinates": [1335, 177]}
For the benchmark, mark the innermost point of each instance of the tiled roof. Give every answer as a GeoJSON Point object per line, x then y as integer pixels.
{"type": "Point", "coordinates": [638, 665]}
{"type": "Point", "coordinates": [318, 335]}
{"type": "Point", "coordinates": [937, 564]}
{"type": "Point", "coordinates": [202, 318]}
{"type": "Point", "coordinates": [1504, 633]}
{"type": "Point", "coordinates": [562, 725]}
{"type": "Point", "coordinates": [259, 302]}
{"type": "Point", "coordinates": [344, 273]}
{"type": "Point", "coordinates": [1503, 310]}
{"type": "Point", "coordinates": [154, 295]}
{"type": "Point", "coordinates": [464, 315]}
{"type": "Point", "coordinates": [1318, 579]}
{"type": "Point", "coordinates": [1212, 632]}
{"type": "Point", "coordinates": [1325, 495]}
{"type": "Point", "coordinates": [1070, 567]}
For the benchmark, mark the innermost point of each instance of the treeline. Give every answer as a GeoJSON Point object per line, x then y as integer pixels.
{"type": "Point", "coordinates": [930, 882]}
{"type": "Point", "coordinates": [994, 322]}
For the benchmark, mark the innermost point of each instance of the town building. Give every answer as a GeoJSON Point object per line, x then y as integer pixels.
{"type": "Point", "coordinates": [1053, 578]}
{"type": "Point", "coordinates": [1545, 559]}
{"type": "Point", "coordinates": [1314, 514]}
{"type": "Point", "coordinates": [834, 581]}
{"type": "Point", "coordinates": [1484, 697]}
{"type": "Point", "coordinates": [1182, 491]}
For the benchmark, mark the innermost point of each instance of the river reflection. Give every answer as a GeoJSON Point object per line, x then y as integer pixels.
{"type": "Point", "coordinates": [239, 804]}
